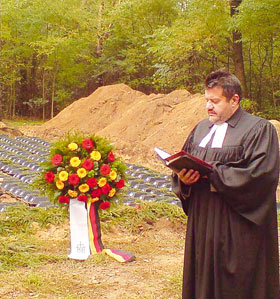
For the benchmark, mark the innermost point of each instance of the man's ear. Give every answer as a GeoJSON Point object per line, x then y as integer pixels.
{"type": "Point", "coordinates": [235, 99]}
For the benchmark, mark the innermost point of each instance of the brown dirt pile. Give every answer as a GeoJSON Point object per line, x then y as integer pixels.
{"type": "Point", "coordinates": [133, 121]}
{"type": "Point", "coordinates": [9, 130]}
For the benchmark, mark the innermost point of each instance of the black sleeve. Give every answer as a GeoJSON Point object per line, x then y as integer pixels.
{"type": "Point", "coordinates": [249, 185]}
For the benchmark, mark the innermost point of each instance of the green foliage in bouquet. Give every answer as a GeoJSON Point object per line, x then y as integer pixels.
{"type": "Point", "coordinates": [84, 168]}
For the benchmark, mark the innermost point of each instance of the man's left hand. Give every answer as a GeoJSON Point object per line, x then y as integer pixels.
{"type": "Point", "coordinates": [188, 177]}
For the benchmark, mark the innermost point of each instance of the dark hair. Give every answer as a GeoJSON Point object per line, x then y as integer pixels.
{"type": "Point", "coordinates": [230, 84]}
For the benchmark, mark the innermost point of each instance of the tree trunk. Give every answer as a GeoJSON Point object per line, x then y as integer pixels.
{"type": "Point", "coordinates": [250, 70]}
{"type": "Point", "coordinates": [274, 102]}
{"type": "Point", "coordinates": [99, 28]}
{"type": "Point", "coordinates": [11, 101]}
{"type": "Point", "coordinates": [13, 94]}
{"type": "Point", "coordinates": [33, 89]}
{"type": "Point", "coordinates": [53, 92]}
{"type": "Point", "coordinates": [1, 83]}
{"type": "Point", "coordinates": [1, 100]}
{"type": "Point", "coordinates": [43, 93]}
{"type": "Point", "coordinates": [238, 50]}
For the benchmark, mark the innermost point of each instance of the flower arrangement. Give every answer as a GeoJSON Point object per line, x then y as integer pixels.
{"type": "Point", "coordinates": [82, 167]}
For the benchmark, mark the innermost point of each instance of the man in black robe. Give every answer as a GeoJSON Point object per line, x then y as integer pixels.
{"type": "Point", "coordinates": [231, 247]}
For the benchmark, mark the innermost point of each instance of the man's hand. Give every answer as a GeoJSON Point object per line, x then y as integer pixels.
{"type": "Point", "coordinates": [188, 177]}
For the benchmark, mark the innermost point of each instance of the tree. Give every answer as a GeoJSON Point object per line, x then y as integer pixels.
{"type": "Point", "coordinates": [48, 45]}
{"type": "Point", "coordinates": [124, 56]}
{"type": "Point", "coordinates": [197, 42]}
{"type": "Point", "coordinates": [53, 52]}
{"type": "Point", "coordinates": [238, 49]}
{"type": "Point", "coordinates": [262, 48]}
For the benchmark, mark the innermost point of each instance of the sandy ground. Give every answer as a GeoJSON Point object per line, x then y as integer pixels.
{"type": "Point", "coordinates": [156, 272]}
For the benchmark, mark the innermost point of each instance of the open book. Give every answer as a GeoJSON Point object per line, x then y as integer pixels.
{"type": "Point", "coordinates": [182, 160]}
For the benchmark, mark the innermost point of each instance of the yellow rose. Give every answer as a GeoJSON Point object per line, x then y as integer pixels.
{"type": "Point", "coordinates": [102, 182]}
{"type": "Point", "coordinates": [72, 146]}
{"type": "Point", "coordinates": [94, 199]}
{"type": "Point", "coordinates": [59, 185]}
{"type": "Point", "coordinates": [95, 155]}
{"type": "Point", "coordinates": [84, 188]}
{"type": "Point", "coordinates": [112, 192]}
{"type": "Point", "coordinates": [113, 175]}
{"type": "Point", "coordinates": [72, 193]}
{"type": "Point", "coordinates": [63, 176]}
{"type": "Point", "coordinates": [75, 162]}
{"type": "Point", "coordinates": [81, 172]}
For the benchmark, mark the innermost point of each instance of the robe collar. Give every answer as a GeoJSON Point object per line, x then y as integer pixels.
{"type": "Point", "coordinates": [233, 120]}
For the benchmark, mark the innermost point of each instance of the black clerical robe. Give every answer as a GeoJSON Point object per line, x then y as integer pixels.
{"type": "Point", "coordinates": [231, 247]}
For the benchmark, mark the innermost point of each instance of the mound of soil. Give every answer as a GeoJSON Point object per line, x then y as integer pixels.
{"type": "Point", "coordinates": [133, 121]}
{"type": "Point", "coordinates": [9, 130]}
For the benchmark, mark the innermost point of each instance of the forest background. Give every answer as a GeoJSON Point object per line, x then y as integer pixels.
{"type": "Point", "coordinates": [53, 52]}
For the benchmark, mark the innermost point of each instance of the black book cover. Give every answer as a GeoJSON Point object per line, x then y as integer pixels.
{"type": "Point", "coordinates": [182, 160]}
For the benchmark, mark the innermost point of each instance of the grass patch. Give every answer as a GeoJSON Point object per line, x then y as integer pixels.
{"type": "Point", "coordinates": [34, 263]}
{"type": "Point", "coordinates": [174, 283]}
{"type": "Point", "coordinates": [19, 246]}
{"type": "Point", "coordinates": [21, 219]}
{"type": "Point", "coordinates": [141, 213]}
{"type": "Point", "coordinates": [26, 251]}
{"type": "Point", "coordinates": [33, 280]}
{"type": "Point", "coordinates": [17, 122]}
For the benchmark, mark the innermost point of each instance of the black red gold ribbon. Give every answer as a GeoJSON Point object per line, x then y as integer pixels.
{"type": "Point", "coordinates": [95, 242]}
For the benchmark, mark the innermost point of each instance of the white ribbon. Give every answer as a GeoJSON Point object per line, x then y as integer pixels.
{"type": "Point", "coordinates": [80, 249]}
{"type": "Point", "coordinates": [220, 135]}
{"type": "Point", "coordinates": [207, 138]}
{"type": "Point", "coordinates": [218, 140]}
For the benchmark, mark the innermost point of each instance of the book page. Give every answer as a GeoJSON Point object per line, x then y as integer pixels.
{"type": "Point", "coordinates": [162, 154]}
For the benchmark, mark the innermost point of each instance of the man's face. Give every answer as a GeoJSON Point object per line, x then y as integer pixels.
{"type": "Point", "coordinates": [219, 108]}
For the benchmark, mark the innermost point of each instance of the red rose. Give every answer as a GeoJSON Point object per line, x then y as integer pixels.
{"type": "Point", "coordinates": [87, 143]}
{"type": "Point", "coordinates": [82, 198]}
{"type": "Point", "coordinates": [120, 184]}
{"type": "Point", "coordinates": [92, 182]}
{"type": "Point", "coordinates": [56, 159]}
{"type": "Point", "coordinates": [111, 157]}
{"type": "Point", "coordinates": [96, 193]}
{"type": "Point", "coordinates": [105, 205]}
{"type": "Point", "coordinates": [63, 199]}
{"type": "Point", "coordinates": [87, 164]}
{"type": "Point", "coordinates": [105, 169]}
{"type": "Point", "coordinates": [74, 179]}
{"type": "Point", "coordinates": [49, 177]}
{"type": "Point", "coordinates": [106, 189]}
